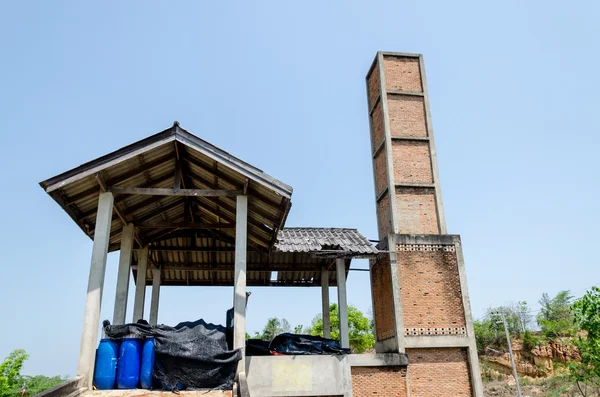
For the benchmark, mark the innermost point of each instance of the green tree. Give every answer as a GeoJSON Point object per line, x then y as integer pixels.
{"type": "Point", "coordinates": [489, 331]}
{"type": "Point", "coordinates": [556, 318]}
{"type": "Point", "coordinates": [10, 372]}
{"type": "Point", "coordinates": [360, 330]}
{"type": "Point", "coordinates": [274, 327]}
{"type": "Point", "coordinates": [521, 309]}
{"type": "Point", "coordinates": [37, 384]}
{"type": "Point", "coordinates": [298, 329]}
{"type": "Point", "coordinates": [486, 334]}
{"type": "Point", "coordinates": [586, 316]}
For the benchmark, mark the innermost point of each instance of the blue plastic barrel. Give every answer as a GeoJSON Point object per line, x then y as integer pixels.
{"type": "Point", "coordinates": [147, 363]}
{"type": "Point", "coordinates": [128, 370]}
{"type": "Point", "coordinates": [106, 364]}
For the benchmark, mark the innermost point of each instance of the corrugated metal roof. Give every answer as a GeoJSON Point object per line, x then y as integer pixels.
{"type": "Point", "coordinates": [323, 240]}
{"type": "Point", "coordinates": [297, 259]}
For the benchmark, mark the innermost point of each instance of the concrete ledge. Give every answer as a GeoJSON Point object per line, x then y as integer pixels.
{"type": "Point", "coordinates": [244, 391]}
{"type": "Point", "coordinates": [64, 389]}
{"type": "Point", "coordinates": [434, 239]}
{"type": "Point", "coordinates": [378, 360]}
{"type": "Point", "coordinates": [417, 342]}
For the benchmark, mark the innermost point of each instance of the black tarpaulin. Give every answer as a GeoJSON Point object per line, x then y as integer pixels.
{"type": "Point", "coordinates": [294, 344]}
{"type": "Point", "coordinates": [191, 354]}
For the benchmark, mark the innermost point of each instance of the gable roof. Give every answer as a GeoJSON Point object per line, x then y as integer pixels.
{"type": "Point", "coordinates": [153, 162]}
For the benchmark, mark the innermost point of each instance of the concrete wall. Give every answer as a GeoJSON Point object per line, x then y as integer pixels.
{"type": "Point", "coordinates": [316, 375]}
{"type": "Point", "coordinates": [298, 376]}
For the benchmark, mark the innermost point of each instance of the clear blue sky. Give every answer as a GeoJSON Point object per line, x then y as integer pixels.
{"type": "Point", "coordinates": [514, 96]}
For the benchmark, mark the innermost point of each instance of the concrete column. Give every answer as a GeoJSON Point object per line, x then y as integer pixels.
{"type": "Point", "coordinates": [340, 268]}
{"type": "Point", "coordinates": [239, 289]}
{"type": "Point", "coordinates": [140, 285]}
{"type": "Point", "coordinates": [93, 302]}
{"type": "Point", "coordinates": [325, 300]}
{"type": "Point", "coordinates": [155, 296]}
{"type": "Point", "coordinates": [123, 275]}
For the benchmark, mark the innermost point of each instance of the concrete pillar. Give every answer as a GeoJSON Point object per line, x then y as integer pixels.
{"type": "Point", "coordinates": [325, 300]}
{"type": "Point", "coordinates": [239, 289]}
{"type": "Point", "coordinates": [155, 296]}
{"type": "Point", "coordinates": [140, 285]}
{"type": "Point", "coordinates": [340, 268]}
{"type": "Point", "coordinates": [123, 275]}
{"type": "Point", "coordinates": [93, 302]}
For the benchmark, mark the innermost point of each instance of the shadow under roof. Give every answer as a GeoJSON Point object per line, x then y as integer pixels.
{"type": "Point", "coordinates": [297, 258]}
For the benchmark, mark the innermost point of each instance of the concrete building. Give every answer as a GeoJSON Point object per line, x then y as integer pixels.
{"type": "Point", "coordinates": [183, 212]}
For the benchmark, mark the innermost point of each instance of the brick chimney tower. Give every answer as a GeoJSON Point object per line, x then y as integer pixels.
{"type": "Point", "coordinates": [420, 299]}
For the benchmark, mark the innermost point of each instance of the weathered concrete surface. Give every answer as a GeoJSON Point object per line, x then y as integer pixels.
{"type": "Point", "coordinates": [239, 288]}
{"type": "Point", "coordinates": [155, 297]}
{"type": "Point", "coordinates": [93, 303]}
{"type": "Point", "coordinates": [140, 287]}
{"type": "Point", "coordinates": [377, 360]}
{"type": "Point", "coordinates": [340, 268]}
{"type": "Point", "coordinates": [325, 302]}
{"type": "Point", "coordinates": [70, 387]}
{"type": "Point", "coordinates": [120, 312]}
{"type": "Point", "coordinates": [299, 376]}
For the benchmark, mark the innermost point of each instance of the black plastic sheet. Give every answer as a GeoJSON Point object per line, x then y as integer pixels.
{"type": "Point", "coordinates": [289, 344]}
{"type": "Point", "coordinates": [191, 355]}
{"type": "Point", "coordinates": [257, 347]}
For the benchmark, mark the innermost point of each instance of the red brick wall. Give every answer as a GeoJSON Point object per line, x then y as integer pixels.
{"type": "Point", "coordinates": [381, 176]}
{"type": "Point", "coordinates": [379, 382]}
{"type": "Point", "coordinates": [438, 373]}
{"type": "Point", "coordinates": [416, 211]}
{"type": "Point", "coordinates": [384, 215]}
{"type": "Point", "coordinates": [377, 127]}
{"type": "Point", "coordinates": [430, 290]}
{"type": "Point", "coordinates": [383, 305]}
{"type": "Point", "coordinates": [402, 74]}
{"type": "Point", "coordinates": [412, 162]}
{"type": "Point", "coordinates": [373, 86]}
{"type": "Point", "coordinates": [407, 116]}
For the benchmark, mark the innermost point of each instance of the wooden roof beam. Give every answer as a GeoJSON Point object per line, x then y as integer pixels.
{"type": "Point", "coordinates": [175, 225]}
{"type": "Point", "coordinates": [174, 192]}
{"type": "Point", "coordinates": [251, 206]}
{"type": "Point", "coordinates": [119, 213]}
{"type": "Point", "coordinates": [231, 181]}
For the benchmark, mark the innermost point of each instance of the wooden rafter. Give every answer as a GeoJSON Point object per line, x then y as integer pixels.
{"type": "Point", "coordinates": [128, 175]}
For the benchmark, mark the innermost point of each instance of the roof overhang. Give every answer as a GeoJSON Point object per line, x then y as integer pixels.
{"type": "Point", "coordinates": [169, 168]}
